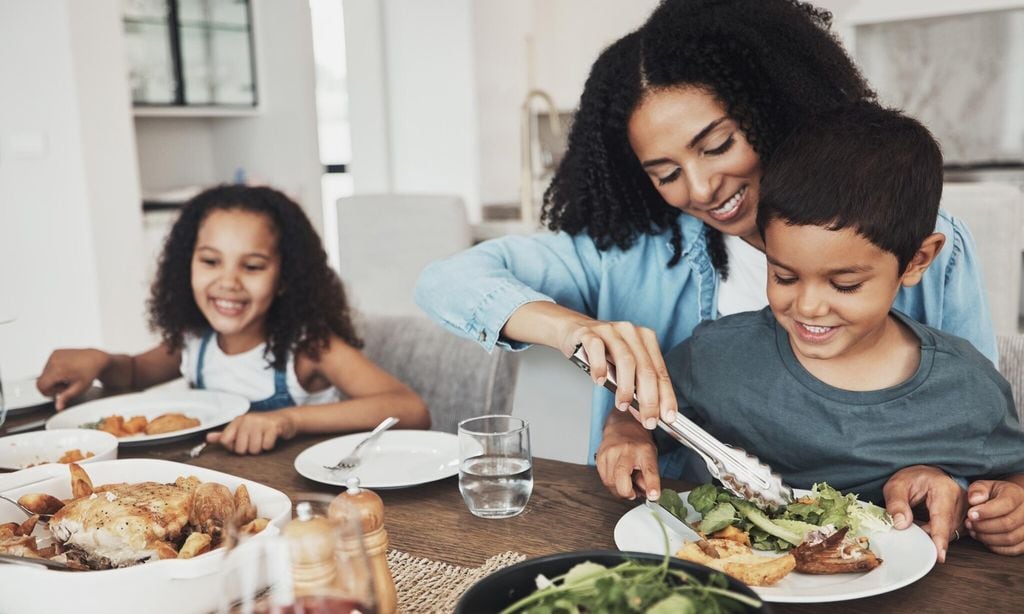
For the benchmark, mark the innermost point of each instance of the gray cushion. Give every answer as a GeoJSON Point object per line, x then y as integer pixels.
{"type": "Point", "coordinates": [455, 377]}
{"type": "Point", "coordinates": [1011, 365]}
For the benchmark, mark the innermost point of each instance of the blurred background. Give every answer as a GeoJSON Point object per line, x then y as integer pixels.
{"type": "Point", "coordinates": [407, 129]}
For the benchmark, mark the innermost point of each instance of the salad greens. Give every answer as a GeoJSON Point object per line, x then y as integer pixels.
{"type": "Point", "coordinates": [784, 529]}
{"type": "Point", "coordinates": [632, 586]}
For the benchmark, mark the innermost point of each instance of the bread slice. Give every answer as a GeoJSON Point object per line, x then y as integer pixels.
{"type": "Point", "coordinates": [738, 560]}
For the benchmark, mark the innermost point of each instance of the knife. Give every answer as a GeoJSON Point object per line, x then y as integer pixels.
{"type": "Point", "coordinates": [741, 473]}
{"type": "Point", "coordinates": [672, 522]}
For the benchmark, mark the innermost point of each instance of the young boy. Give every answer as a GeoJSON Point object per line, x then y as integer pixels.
{"type": "Point", "coordinates": [829, 383]}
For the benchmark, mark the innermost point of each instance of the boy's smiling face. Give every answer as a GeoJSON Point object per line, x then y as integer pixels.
{"type": "Point", "coordinates": [830, 289]}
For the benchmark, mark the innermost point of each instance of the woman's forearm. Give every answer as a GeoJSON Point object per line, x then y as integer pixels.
{"type": "Point", "coordinates": [544, 323]}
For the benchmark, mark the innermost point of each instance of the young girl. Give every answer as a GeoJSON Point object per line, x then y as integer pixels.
{"type": "Point", "coordinates": [246, 303]}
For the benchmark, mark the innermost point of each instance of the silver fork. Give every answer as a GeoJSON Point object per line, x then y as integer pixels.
{"type": "Point", "coordinates": [353, 459]}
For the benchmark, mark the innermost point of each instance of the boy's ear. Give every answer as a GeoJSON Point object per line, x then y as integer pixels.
{"type": "Point", "coordinates": [922, 258]}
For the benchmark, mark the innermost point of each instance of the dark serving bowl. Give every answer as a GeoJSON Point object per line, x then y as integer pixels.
{"type": "Point", "coordinates": [506, 586]}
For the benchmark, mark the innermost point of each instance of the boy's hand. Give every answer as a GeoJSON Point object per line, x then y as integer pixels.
{"type": "Point", "coordinates": [627, 460]}
{"type": "Point", "coordinates": [945, 500]}
{"type": "Point", "coordinates": [255, 432]}
{"type": "Point", "coordinates": [69, 373]}
{"type": "Point", "coordinates": [996, 515]}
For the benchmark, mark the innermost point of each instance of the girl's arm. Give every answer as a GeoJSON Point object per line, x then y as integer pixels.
{"type": "Point", "coordinates": [374, 394]}
{"type": "Point", "coordinates": [70, 372]}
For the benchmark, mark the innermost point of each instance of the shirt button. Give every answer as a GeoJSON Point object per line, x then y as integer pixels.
{"type": "Point", "coordinates": [482, 337]}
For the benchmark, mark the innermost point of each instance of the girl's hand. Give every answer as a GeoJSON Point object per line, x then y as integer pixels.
{"type": "Point", "coordinates": [69, 373]}
{"type": "Point", "coordinates": [639, 366]}
{"type": "Point", "coordinates": [255, 432]}
{"type": "Point", "coordinates": [996, 516]}
{"type": "Point", "coordinates": [943, 497]}
{"type": "Point", "coordinates": [627, 460]}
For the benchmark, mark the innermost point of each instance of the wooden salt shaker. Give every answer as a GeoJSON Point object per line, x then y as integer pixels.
{"type": "Point", "coordinates": [368, 507]}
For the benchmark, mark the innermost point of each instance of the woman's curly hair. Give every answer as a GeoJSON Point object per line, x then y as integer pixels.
{"type": "Point", "coordinates": [769, 62]}
{"type": "Point", "coordinates": [310, 304]}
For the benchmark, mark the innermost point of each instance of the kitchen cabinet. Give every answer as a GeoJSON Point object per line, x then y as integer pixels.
{"type": "Point", "coordinates": [190, 57]}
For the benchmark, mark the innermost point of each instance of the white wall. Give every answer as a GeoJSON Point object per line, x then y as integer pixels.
{"type": "Point", "coordinates": [70, 225]}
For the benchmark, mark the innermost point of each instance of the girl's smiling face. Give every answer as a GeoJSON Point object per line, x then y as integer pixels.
{"type": "Point", "coordinates": [236, 269]}
{"type": "Point", "coordinates": [698, 159]}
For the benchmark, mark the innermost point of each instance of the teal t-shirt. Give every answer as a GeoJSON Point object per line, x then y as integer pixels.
{"type": "Point", "coordinates": [739, 378]}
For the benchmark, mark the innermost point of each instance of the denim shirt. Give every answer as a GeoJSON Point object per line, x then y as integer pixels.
{"type": "Point", "coordinates": [474, 293]}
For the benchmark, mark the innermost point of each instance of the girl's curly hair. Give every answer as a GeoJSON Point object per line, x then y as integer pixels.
{"type": "Point", "coordinates": [310, 305]}
{"type": "Point", "coordinates": [769, 62]}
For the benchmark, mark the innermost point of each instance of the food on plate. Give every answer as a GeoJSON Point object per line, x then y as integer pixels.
{"type": "Point", "coordinates": [825, 532]}
{"type": "Point", "coordinates": [71, 456]}
{"type": "Point", "coordinates": [137, 425]}
{"type": "Point", "coordinates": [168, 423]}
{"type": "Point", "coordinates": [632, 586]}
{"type": "Point", "coordinates": [118, 525]}
{"type": "Point", "coordinates": [825, 552]}
{"type": "Point", "coordinates": [738, 560]}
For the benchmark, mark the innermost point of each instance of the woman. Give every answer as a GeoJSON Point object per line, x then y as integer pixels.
{"type": "Point", "coordinates": [656, 201]}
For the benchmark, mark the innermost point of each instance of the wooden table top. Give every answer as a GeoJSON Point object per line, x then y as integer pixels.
{"type": "Point", "coordinates": [571, 510]}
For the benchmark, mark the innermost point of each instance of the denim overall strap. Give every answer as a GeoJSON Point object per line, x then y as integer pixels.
{"type": "Point", "coordinates": [281, 397]}
{"type": "Point", "coordinates": [202, 358]}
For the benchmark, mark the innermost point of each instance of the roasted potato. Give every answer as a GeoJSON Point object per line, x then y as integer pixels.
{"type": "Point", "coordinates": [195, 544]}
{"type": "Point", "coordinates": [113, 425]}
{"type": "Point", "coordinates": [41, 503]}
{"type": "Point", "coordinates": [213, 507]}
{"type": "Point", "coordinates": [245, 511]}
{"type": "Point", "coordinates": [255, 526]}
{"type": "Point", "coordinates": [733, 533]}
{"type": "Point", "coordinates": [8, 529]}
{"type": "Point", "coordinates": [163, 549]}
{"type": "Point", "coordinates": [81, 484]}
{"type": "Point", "coordinates": [135, 425]}
{"type": "Point", "coordinates": [189, 483]}
{"type": "Point", "coordinates": [28, 526]}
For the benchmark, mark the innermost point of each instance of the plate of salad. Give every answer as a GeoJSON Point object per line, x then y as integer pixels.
{"type": "Point", "coordinates": [907, 555]}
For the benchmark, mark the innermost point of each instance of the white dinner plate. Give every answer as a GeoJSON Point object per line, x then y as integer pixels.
{"type": "Point", "coordinates": [21, 396]}
{"type": "Point", "coordinates": [906, 555]}
{"type": "Point", "coordinates": [167, 586]}
{"type": "Point", "coordinates": [398, 459]}
{"type": "Point", "coordinates": [213, 409]}
{"type": "Point", "coordinates": [39, 447]}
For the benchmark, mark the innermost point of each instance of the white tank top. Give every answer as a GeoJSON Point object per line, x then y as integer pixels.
{"type": "Point", "coordinates": [746, 288]}
{"type": "Point", "coordinates": [248, 374]}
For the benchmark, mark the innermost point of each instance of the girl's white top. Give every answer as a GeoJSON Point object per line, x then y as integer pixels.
{"type": "Point", "coordinates": [248, 374]}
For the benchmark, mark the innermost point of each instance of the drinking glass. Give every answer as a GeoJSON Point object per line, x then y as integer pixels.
{"type": "Point", "coordinates": [496, 469]}
{"type": "Point", "coordinates": [317, 565]}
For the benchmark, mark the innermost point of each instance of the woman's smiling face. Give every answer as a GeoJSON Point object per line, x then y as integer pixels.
{"type": "Point", "coordinates": [698, 159]}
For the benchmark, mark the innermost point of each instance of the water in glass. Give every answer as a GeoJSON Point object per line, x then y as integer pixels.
{"type": "Point", "coordinates": [496, 469]}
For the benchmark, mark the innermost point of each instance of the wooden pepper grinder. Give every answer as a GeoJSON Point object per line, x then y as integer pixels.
{"type": "Point", "coordinates": [311, 545]}
{"type": "Point", "coordinates": [368, 507]}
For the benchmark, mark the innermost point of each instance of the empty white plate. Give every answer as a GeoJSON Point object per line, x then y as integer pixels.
{"type": "Point", "coordinates": [397, 460]}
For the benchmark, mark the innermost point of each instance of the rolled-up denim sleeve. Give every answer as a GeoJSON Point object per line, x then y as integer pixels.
{"type": "Point", "coordinates": [966, 312]}
{"type": "Point", "coordinates": [475, 292]}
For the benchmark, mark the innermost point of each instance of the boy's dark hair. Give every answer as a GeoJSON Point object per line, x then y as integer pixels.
{"type": "Point", "coordinates": [769, 62]}
{"type": "Point", "coordinates": [311, 304]}
{"type": "Point", "coordinates": [865, 167]}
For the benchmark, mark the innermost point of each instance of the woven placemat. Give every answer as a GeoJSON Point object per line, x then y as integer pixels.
{"type": "Point", "coordinates": [428, 586]}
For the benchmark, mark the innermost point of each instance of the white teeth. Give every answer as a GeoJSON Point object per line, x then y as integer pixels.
{"type": "Point", "coordinates": [229, 305]}
{"type": "Point", "coordinates": [732, 203]}
{"type": "Point", "coordinates": [817, 330]}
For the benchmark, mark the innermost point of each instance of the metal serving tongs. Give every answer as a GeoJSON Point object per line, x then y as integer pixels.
{"type": "Point", "coordinates": [741, 473]}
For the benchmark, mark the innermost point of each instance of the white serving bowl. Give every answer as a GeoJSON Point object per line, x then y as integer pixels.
{"type": "Point", "coordinates": [38, 447]}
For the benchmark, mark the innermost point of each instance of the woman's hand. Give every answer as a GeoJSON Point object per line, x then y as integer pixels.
{"type": "Point", "coordinates": [996, 516]}
{"type": "Point", "coordinates": [945, 500]}
{"type": "Point", "coordinates": [255, 432]}
{"type": "Point", "coordinates": [69, 373]}
{"type": "Point", "coordinates": [634, 350]}
{"type": "Point", "coordinates": [627, 460]}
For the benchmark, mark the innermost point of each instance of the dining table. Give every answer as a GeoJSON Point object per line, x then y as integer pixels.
{"type": "Point", "coordinates": [570, 510]}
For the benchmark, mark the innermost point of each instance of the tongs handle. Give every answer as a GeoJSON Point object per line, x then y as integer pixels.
{"type": "Point", "coordinates": [742, 473]}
